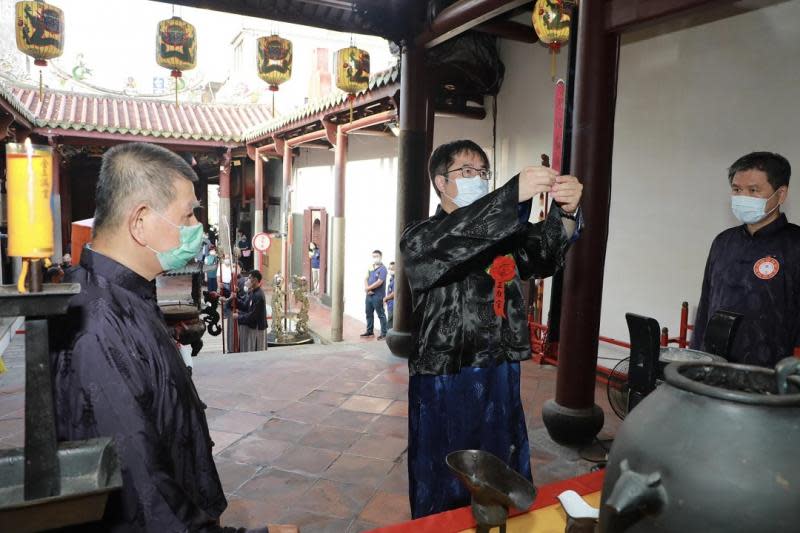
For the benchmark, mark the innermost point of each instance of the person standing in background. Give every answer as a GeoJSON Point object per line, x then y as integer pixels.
{"type": "Point", "coordinates": [243, 243]}
{"type": "Point", "coordinates": [389, 298]}
{"type": "Point", "coordinates": [313, 253]}
{"type": "Point", "coordinates": [375, 287]}
{"type": "Point", "coordinates": [212, 263]}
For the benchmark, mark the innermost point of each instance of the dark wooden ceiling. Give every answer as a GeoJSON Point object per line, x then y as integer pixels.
{"type": "Point", "coordinates": [386, 18]}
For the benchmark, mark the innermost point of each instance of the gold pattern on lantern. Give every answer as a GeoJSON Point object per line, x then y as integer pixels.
{"type": "Point", "coordinates": [176, 47]}
{"type": "Point", "coordinates": [274, 62]}
{"type": "Point", "coordinates": [551, 20]}
{"type": "Point", "coordinates": [39, 32]}
{"type": "Point", "coordinates": [352, 72]}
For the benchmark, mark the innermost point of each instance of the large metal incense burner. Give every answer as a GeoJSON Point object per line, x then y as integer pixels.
{"type": "Point", "coordinates": [49, 484]}
{"type": "Point", "coordinates": [493, 485]}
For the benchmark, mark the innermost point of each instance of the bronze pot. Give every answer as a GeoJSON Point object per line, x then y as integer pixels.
{"type": "Point", "coordinates": [713, 449]}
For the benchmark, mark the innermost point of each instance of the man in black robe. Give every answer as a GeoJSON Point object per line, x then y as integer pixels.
{"type": "Point", "coordinates": [252, 317]}
{"type": "Point", "coordinates": [754, 269]}
{"type": "Point", "coordinates": [464, 265]}
{"type": "Point", "coordinates": [116, 370]}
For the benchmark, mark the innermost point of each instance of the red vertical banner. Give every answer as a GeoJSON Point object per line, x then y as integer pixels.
{"type": "Point", "coordinates": [558, 126]}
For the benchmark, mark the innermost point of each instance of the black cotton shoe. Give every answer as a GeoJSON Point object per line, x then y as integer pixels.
{"type": "Point", "coordinates": [366, 334]}
{"type": "Point", "coordinates": [380, 338]}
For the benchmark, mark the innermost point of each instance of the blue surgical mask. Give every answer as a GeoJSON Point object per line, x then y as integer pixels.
{"type": "Point", "coordinates": [469, 190]}
{"type": "Point", "coordinates": [751, 210]}
{"type": "Point", "coordinates": [190, 245]}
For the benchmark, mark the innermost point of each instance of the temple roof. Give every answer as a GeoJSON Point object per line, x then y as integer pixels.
{"type": "Point", "coordinates": [134, 116]}
{"type": "Point", "coordinates": [336, 99]}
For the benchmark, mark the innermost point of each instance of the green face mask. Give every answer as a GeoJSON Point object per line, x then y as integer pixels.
{"type": "Point", "coordinates": [189, 247]}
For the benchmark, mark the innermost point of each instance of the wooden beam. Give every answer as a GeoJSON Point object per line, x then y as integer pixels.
{"type": "Point", "coordinates": [96, 138]}
{"type": "Point", "coordinates": [507, 29]}
{"type": "Point", "coordinates": [463, 16]}
{"type": "Point", "coordinates": [626, 15]}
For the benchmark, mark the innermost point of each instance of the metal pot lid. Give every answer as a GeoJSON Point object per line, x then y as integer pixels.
{"type": "Point", "coordinates": [675, 355]}
{"type": "Point", "coordinates": [733, 382]}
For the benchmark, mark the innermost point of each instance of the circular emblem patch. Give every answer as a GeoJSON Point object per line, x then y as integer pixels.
{"type": "Point", "coordinates": [766, 268]}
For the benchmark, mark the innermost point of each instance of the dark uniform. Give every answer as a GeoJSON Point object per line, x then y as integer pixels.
{"type": "Point", "coordinates": [117, 373]}
{"type": "Point", "coordinates": [464, 390]}
{"type": "Point", "coordinates": [757, 276]}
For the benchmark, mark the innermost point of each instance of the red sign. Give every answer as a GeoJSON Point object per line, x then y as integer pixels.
{"type": "Point", "coordinates": [261, 242]}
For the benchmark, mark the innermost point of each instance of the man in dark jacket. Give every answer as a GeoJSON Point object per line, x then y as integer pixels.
{"type": "Point", "coordinates": [252, 318]}
{"type": "Point", "coordinates": [117, 372]}
{"type": "Point", "coordinates": [754, 269]}
{"type": "Point", "coordinates": [464, 266]}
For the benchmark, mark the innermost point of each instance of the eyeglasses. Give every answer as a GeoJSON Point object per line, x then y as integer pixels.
{"type": "Point", "coordinates": [470, 172]}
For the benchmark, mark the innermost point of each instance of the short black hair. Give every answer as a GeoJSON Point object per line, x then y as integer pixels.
{"type": "Point", "coordinates": [391, 263]}
{"type": "Point", "coordinates": [255, 274]}
{"type": "Point", "coordinates": [377, 252]}
{"type": "Point", "coordinates": [775, 166]}
{"type": "Point", "coordinates": [444, 155]}
{"type": "Point", "coordinates": [132, 173]}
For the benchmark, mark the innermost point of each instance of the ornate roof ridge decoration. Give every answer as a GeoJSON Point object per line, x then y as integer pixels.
{"type": "Point", "coordinates": [67, 110]}
{"type": "Point", "coordinates": [333, 100]}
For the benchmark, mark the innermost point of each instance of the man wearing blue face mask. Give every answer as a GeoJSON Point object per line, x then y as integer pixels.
{"type": "Point", "coordinates": [464, 266]}
{"type": "Point", "coordinates": [117, 372]}
{"type": "Point", "coordinates": [754, 269]}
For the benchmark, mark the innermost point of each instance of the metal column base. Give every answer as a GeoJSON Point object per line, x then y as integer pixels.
{"type": "Point", "coordinates": [572, 427]}
{"type": "Point", "coordinates": [400, 343]}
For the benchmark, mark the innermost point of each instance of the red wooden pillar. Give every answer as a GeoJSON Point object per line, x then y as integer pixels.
{"type": "Point", "coordinates": [337, 271]}
{"type": "Point", "coordinates": [573, 417]}
{"type": "Point", "coordinates": [413, 186]}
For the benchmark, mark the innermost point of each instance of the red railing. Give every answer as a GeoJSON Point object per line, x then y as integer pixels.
{"type": "Point", "coordinates": [548, 354]}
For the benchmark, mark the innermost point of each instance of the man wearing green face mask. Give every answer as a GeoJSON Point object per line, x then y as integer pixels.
{"type": "Point", "coordinates": [117, 372]}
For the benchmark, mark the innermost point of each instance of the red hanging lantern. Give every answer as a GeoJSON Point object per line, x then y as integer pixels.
{"type": "Point", "coordinates": [176, 47]}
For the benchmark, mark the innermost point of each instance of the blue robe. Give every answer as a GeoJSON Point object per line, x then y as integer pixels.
{"type": "Point", "coordinates": [464, 389]}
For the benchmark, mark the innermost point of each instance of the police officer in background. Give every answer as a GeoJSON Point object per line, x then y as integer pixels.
{"type": "Point", "coordinates": [754, 269]}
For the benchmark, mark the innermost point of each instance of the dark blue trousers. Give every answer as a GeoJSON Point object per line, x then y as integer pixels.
{"type": "Point", "coordinates": [374, 304]}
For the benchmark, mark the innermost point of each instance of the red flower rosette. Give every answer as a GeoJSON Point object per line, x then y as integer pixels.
{"type": "Point", "coordinates": [503, 270]}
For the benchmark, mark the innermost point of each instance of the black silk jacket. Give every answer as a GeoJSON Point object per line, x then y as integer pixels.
{"type": "Point", "coordinates": [118, 373]}
{"type": "Point", "coordinates": [446, 259]}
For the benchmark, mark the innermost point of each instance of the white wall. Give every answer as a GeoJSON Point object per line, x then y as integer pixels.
{"type": "Point", "coordinates": [690, 102]}
{"type": "Point", "coordinates": [370, 196]}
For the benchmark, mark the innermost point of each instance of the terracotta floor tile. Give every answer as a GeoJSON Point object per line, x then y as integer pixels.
{"type": "Point", "coordinates": [349, 420]}
{"type": "Point", "coordinates": [389, 425]}
{"type": "Point", "coordinates": [232, 474]}
{"type": "Point", "coordinates": [343, 386]}
{"type": "Point", "coordinates": [276, 486]}
{"type": "Point", "coordinates": [393, 391]}
{"type": "Point", "coordinates": [366, 404]}
{"type": "Point", "coordinates": [397, 480]}
{"type": "Point", "coordinates": [359, 374]}
{"type": "Point", "coordinates": [315, 523]}
{"type": "Point", "coordinates": [358, 470]}
{"type": "Point", "coordinates": [262, 406]}
{"type": "Point", "coordinates": [305, 459]}
{"type": "Point", "coordinates": [398, 408]}
{"type": "Point", "coordinates": [336, 499]}
{"type": "Point", "coordinates": [389, 376]}
{"type": "Point", "coordinates": [225, 400]}
{"type": "Point", "coordinates": [281, 429]}
{"type": "Point", "coordinates": [386, 508]}
{"type": "Point", "coordinates": [324, 397]}
{"type": "Point", "coordinates": [223, 439]}
{"type": "Point", "coordinates": [237, 422]}
{"type": "Point", "coordinates": [379, 447]}
{"type": "Point", "coordinates": [256, 451]}
{"type": "Point", "coordinates": [306, 412]}
{"type": "Point", "coordinates": [359, 526]}
{"type": "Point", "coordinates": [330, 438]}
{"type": "Point", "coordinates": [252, 514]}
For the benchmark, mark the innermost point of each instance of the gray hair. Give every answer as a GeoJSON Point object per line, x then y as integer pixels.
{"type": "Point", "coordinates": [136, 173]}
